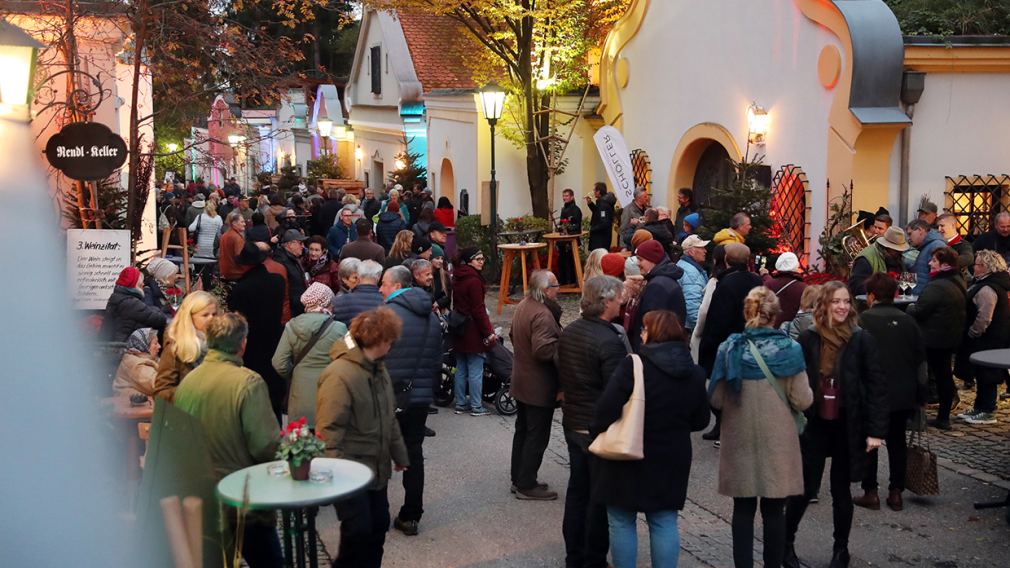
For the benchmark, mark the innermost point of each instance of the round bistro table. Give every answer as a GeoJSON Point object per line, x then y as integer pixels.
{"type": "Point", "coordinates": [298, 501]}
{"type": "Point", "coordinates": [996, 359]}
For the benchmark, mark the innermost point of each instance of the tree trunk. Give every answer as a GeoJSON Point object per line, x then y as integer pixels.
{"type": "Point", "coordinates": [140, 37]}
{"type": "Point", "coordinates": [536, 165]}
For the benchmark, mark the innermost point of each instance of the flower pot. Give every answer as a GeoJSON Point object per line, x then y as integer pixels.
{"type": "Point", "coordinates": [301, 471]}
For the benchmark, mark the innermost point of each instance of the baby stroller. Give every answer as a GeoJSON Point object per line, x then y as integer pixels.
{"type": "Point", "coordinates": [497, 379]}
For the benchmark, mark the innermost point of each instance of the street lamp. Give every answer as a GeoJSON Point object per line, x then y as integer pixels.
{"type": "Point", "coordinates": [18, 52]}
{"type": "Point", "coordinates": [492, 98]}
{"type": "Point", "coordinates": [757, 124]}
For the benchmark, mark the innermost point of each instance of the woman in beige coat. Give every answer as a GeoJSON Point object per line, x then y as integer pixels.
{"type": "Point", "coordinates": [760, 454]}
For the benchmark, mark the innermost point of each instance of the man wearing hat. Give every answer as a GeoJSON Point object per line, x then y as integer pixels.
{"type": "Point", "coordinates": [928, 212]}
{"type": "Point", "coordinates": [662, 289]}
{"type": "Point", "coordinates": [694, 279]}
{"type": "Point", "coordinates": [289, 255]}
{"type": "Point", "coordinates": [420, 247]}
{"type": "Point", "coordinates": [787, 283]}
{"type": "Point", "coordinates": [884, 255]}
{"type": "Point", "coordinates": [688, 226]}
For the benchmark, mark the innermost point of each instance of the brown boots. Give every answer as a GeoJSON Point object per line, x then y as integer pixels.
{"type": "Point", "coordinates": [871, 500]}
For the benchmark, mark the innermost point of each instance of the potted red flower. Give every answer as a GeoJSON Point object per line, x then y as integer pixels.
{"type": "Point", "coordinates": [298, 446]}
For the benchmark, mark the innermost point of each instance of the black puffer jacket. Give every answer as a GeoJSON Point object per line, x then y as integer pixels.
{"type": "Point", "coordinates": [385, 230]}
{"type": "Point", "coordinates": [662, 292]}
{"type": "Point", "coordinates": [588, 352]}
{"type": "Point", "coordinates": [601, 223]}
{"type": "Point", "coordinates": [902, 352]}
{"type": "Point", "coordinates": [416, 358]}
{"type": "Point", "coordinates": [296, 280]}
{"type": "Point", "coordinates": [126, 312]}
{"type": "Point", "coordinates": [864, 392]}
{"type": "Point", "coordinates": [725, 312]}
{"type": "Point", "coordinates": [675, 406]}
{"type": "Point", "coordinates": [941, 310]}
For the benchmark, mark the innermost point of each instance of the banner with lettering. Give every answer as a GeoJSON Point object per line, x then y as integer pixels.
{"type": "Point", "coordinates": [617, 160]}
{"type": "Point", "coordinates": [95, 258]}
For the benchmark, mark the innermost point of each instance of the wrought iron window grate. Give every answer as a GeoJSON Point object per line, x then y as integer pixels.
{"type": "Point", "coordinates": [790, 211]}
{"type": "Point", "coordinates": [976, 199]}
{"type": "Point", "coordinates": [642, 168]}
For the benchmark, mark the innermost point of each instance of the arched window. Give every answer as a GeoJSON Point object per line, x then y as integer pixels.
{"type": "Point", "coordinates": [643, 169]}
{"type": "Point", "coordinates": [790, 212]}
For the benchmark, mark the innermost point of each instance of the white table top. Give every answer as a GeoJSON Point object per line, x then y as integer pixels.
{"type": "Point", "coordinates": [194, 260]}
{"type": "Point", "coordinates": [898, 300]}
{"type": "Point", "coordinates": [269, 492]}
{"type": "Point", "coordinates": [996, 358]}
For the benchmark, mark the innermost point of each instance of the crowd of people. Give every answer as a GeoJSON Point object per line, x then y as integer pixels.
{"type": "Point", "coordinates": [350, 333]}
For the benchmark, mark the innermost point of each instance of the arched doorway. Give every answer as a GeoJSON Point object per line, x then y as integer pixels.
{"type": "Point", "coordinates": [713, 170]}
{"type": "Point", "coordinates": [447, 183]}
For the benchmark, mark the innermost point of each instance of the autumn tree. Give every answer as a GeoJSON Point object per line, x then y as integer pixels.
{"type": "Point", "coordinates": [534, 47]}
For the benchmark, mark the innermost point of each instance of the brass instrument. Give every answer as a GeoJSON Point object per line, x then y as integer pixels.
{"type": "Point", "coordinates": [854, 241]}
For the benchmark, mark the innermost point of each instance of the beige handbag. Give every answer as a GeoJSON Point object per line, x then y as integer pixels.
{"type": "Point", "coordinates": [623, 439]}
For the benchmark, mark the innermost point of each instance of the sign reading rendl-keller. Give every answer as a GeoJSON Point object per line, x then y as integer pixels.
{"type": "Point", "coordinates": [86, 151]}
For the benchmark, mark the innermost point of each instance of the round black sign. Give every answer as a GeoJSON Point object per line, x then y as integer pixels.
{"type": "Point", "coordinates": [86, 151]}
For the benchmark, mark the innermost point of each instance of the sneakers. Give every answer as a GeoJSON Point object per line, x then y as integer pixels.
{"type": "Point", "coordinates": [458, 410]}
{"type": "Point", "coordinates": [480, 412]}
{"type": "Point", "coordinates": [408, 528]}
{"type": "Point", "coordinates": [980, 418]}
{"type": "Point", "coordinates": [537, 493]}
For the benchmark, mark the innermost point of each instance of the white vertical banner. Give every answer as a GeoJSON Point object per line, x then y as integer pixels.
{"type": "Point", "coordinates": [616, 158]}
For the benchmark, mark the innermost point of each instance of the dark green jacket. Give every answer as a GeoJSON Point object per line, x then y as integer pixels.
{"type": "Point", "coordinates": [356, 413]}
{"type": "Point", "coordinates": [941, 310]}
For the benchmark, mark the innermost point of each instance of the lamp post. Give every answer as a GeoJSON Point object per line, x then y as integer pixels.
{"type": "Point", "coordinates": [325, 126]}
{"type": "Point", "coordinates": [18, 52]}
{"type": "Point", "coordinates": [492, 98]}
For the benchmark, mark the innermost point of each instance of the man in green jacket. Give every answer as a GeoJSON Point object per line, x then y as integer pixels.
{"type": "Point", "coordinates": [883, 255]}
{"type": "Point", "coordinates": [233, 406]}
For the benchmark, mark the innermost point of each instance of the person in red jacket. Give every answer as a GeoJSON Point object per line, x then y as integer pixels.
{"type": "Point", "coordinates": [230, 247]}
{"type": "Point", "coordinates": [477, 337]}
{"type": "Point", "coordinates": [319, 265]}
{"type": "Point", "coordinates": [444, 212]}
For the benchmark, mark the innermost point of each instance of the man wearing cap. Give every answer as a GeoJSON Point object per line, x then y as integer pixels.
{"type": "Point", "coordinates": [693, 281]}
{"type": "Point", "coordinates": [662, 289]}
{"type": "Point", "coordinates": [420, 247]}
{"type": "Point", "coordinates": [928, 213]}
{"type": "Point", "coordinates": [289, 256]}
{"type": "Point", "coordinates": [364, 246]}
{"type": "Point", "coordinates": [926, 240]}
{"type": "Point", "coordinates": [787, 283]}
{"type": "Point", "coordinates": [884, 255]}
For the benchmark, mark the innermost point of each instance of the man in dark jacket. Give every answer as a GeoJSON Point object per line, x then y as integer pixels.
{"type": "Point", "coordinates": [365, 296]}
{"type": "Point", "coordinates": [370, 205]}
{"type": "Point", "coordinates": [659, 229]}
{"type": "Point", "coordinates": [569, 221]}
{"type": "Point", "coordinates": [725, 312]}
{"type": "Point", "coordinates": [535, 331]}
{"type": "Point", "coordinates": [259, 296]}
{"type": "Point", "coordinates": [589, 350]}
{"type": "Point", "coordinates": [289, 256]}
{"type": "Point", "coordinates": [327, 213]}
{"type": "Point", "coordinates": [413, 363]}
{"type": "Point", "coordinates": [364, 247]}
{"type": "Point", "coordinates": [997, 238]}
{"type": "Point", "coordinates": [901, 354]}
{"type": "Point", "coordinates": [662, 289]}
{"type": "Point", "coordinates": [601, 223]}
{"type": "Point", "coordinates": [342, 232]}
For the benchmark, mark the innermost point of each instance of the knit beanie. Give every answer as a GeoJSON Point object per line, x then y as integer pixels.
{"type": "Point", "coordinates": [419, 245]}
{"type": "Point", "coordinates": [639, 237]}
{"type": "Point", "coordinates": [161, 269]}
{"type": "Point", "coordinates": [631, 267]}
{"type": "Point", "coordinates": [693, 219]}
{"type": "Point", "coordinates": [466, 254]}
{"type": "Point", "coordinates": [651, 250]}
{"type": "Point", "coordinates": [613, 264]}
{"type": "Point", "coordinates": [437, 251]}
{"type": "Point", "coordinates": [128, 277]}
{"type": "Point", "coordinates": [317, 297]}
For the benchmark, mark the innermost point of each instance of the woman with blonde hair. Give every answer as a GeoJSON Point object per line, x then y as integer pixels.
{"type": "Point", "coordinates": [759, 381]}
{"type": "Point", "coordinates": [849, 417]}
{"type": "Point", "coordinates": [400, 249]}
{"type": "Point", "coordinates": [594, 264]}
{"type": "Point", "coordinates": [185, 342]}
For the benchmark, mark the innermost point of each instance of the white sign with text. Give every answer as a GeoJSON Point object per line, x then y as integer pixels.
{"type": "Point", "coordinates": [95, 257]}
{"type": "Point", "coordinates": [617, 161]}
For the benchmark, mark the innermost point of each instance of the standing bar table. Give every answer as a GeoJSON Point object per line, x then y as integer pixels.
{"type": "Point", "coordinates": [509, 252]}
{"type": "Point", "coordinates": [996, 359]}
{"type": "Point", "coordinates": [553, 240]}
{"type": "Point", "coordinates": [297, 500]}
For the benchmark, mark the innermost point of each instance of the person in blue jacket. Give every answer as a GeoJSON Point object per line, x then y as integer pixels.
{"type": "Point", "coordinates": [694, 279]}
{"type": "Point", "coordinates": [926, 240]}
{"type": "Point", "coordinates": [342, 231]}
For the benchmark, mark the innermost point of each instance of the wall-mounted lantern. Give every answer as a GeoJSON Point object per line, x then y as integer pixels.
{"type": "Point", "coordinates": [757, 124]}
{"type": "Point", "coordinates": [18, 53]}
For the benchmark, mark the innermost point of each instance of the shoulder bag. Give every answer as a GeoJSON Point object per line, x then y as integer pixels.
{"type": "Point", "coordinates": [312, 341]}
{"type": "Point", "coordinates": [798, 417]}
{"type": "Point", "coordinates": [457, 321]}
{"type": "Point", "coordinates": [921, 476]}
{"type": "Point", "coordinates": [623, 440]}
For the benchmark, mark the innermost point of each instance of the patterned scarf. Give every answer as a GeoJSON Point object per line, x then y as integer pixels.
{"type": "Point", "coordinates": [735, 363]}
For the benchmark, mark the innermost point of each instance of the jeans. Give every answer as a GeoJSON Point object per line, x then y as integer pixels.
{"type": "Point", "coordinates": [939, 361]}
{"type": "Point", "coordinates": [897, 453]}
{"type": "Point", "coordinates": [469, 370]}
{"type": "Point", "coordinates": [773, 518]}
{"type": "Point", "coordinates": [664, 539]}
{"type": "Point", "coordinates": [533, 432]}
{"type": "Point", "coordinates": [823, 439]}
{"type": "Point", "coordinates": [261, 547]}
{"type": "Point", "coordinates": [585, 522]}
{"type": "Point", "coordinates": [987, 381]}
{"type": "Point", "coordinates": [364, 520]}
{"type": "Point", "coordinates": [412, 421]}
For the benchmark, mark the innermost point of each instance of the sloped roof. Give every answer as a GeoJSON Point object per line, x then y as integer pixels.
{"type": "Point", "coordinates": [438, 47]}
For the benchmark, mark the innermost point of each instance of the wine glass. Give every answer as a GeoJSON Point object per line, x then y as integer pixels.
{"type": "Point", "coordinates": [912, 280]}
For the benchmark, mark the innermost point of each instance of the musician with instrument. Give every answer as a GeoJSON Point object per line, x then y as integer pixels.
{"type": "Point", "coordinates": [883, 255]}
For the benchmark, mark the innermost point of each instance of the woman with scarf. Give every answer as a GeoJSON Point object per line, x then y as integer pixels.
{"type": "Point", "coordinates": [139, 365]}
{"type": "Point", "coordinates": [849, 417]}
{"type": "Point", "coordinates": [318, 264]}
{"type": "Point", "coordinates": [760, 455]}
{"type": "Point", "coordinates": [185, 342]}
